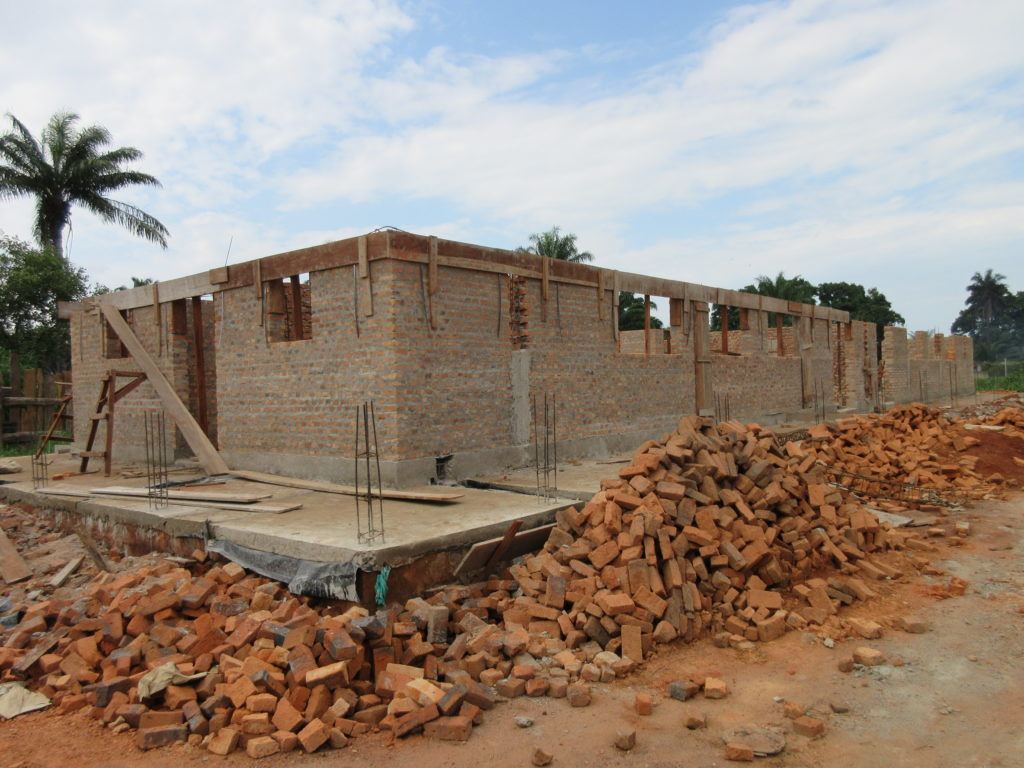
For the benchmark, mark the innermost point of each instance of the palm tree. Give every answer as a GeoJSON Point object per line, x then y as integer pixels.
{"type": "Point", "coordinates": [987, 295]}
{"type": "Point", "coordinates": [778, 287]}
{"type": "Point", "coordinates": [555, 245]}
{"type": "Point", "coordinates": [71, 166]}
{"type": "Point", "coordinates": [782, 287]}
{"type": "Point", "coordinates": [631, 312]}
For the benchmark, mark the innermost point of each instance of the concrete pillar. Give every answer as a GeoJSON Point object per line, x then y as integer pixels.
{"type": "Point", "coordinates": [519, 366]}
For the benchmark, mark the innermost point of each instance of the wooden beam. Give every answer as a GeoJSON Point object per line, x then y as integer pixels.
{"type": "Point", "coordinates": [436, 497]}
{"type": "Point", "coordinates": [701, 357]}
{"type": "Point", "coordinates": [297, 326]}
{"type": "Point", "coordinates": [600, 295]}
{"type": "Point", "coordinates": [675, 313]}
{"type": "Point", "coordinates": [647, 325]}
{"type": "Point", "coordinates": [157, 320]}
{"type": "Point", "coordinates": [723, 313]}
{"type": "Point", "coordinates": [257, 281]}
{"type": "Point", "coordinates": [190, 430]}
{"type": "Point", "coordinates": [108, 453]}
{"type": "Point", "coordinates": [432, 277]}
{"type": "Point", "coordinates": [198, 342]}
{"type": "Point", "coordinates": [13, 567]}
{"type": "Point", "coordinates": [545, 286]}
{"type": "Point", "coordinates": [615, 305]}
{"type": "Point", "coordinates": [780, 345]}
{"type": "Point", "coordinates": [365, 281]}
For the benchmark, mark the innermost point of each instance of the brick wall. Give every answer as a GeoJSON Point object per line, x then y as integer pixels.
{"type": "Point", "coordinates": [925, 366]}
{"type": "Point", "coordinates": [465, 386]}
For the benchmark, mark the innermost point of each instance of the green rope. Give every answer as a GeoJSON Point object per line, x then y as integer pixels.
{"type": "Point", "coordinates": [381, 587]}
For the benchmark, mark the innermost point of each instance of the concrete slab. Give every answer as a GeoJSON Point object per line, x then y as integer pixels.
{"type": "Point", "coordinates": [324, 529]}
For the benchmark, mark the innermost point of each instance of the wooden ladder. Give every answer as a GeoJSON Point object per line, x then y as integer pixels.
{"type": "Point", "coordinates": [109, 395]}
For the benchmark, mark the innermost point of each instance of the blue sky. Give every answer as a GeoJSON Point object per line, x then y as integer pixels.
{"type": "Point", "coordinates": [875, 142]}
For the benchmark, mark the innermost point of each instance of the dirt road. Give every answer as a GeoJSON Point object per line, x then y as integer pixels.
{"type": "Point", "coordinates": [954, 697]}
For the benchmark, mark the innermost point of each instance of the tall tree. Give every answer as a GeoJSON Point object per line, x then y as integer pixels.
{"type": "Point", "coordinates": [556, 245]}
{"type": "Point", "coordinates": [993, 317]}
{"type": "Point", "coordinates": [869, 305]}
{"type": "Point", "coordinates": [70, 166]}
{"type": "Point", "coordinates": [32, 281]}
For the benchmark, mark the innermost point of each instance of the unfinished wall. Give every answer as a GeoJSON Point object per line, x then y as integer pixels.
{"type": "Point", "coordinates": [289, 406]}
{"type": "Point", "coordinates": [454, 356]}
{"type": "Point", "coordinates": [925, 366]}
{"type": "Point", "coordinates": [90, 348]}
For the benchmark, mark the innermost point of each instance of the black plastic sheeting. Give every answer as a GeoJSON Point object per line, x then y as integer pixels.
{"type": "Point", "coordinates": [303, 577]}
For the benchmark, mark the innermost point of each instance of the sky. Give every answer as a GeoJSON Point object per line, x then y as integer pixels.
{"type": "Point", "coordinates": [873, 142]}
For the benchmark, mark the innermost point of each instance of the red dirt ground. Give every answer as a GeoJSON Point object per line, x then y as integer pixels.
{"type": "Point", "coordinates": [954, 702]}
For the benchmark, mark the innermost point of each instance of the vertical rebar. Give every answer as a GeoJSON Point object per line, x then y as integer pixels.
{"type": "Point", "coordinates": [376, 456]}
{"type": "Point", "coordinates": [355, 457]}
{"type": "Point", "coordinates": [536, 442]}
{"type": "Point", "coordinates": [554, 428]}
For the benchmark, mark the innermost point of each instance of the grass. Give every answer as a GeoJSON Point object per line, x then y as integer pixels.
{"type": "Point", "coordinates": [1013, 382]}
{"type": "Point", "coordinates": [25, 449]}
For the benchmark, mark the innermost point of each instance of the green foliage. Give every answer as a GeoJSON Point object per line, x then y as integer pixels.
{"type": "Point", "coordinates": [70, 166]}
{"type": "Point", "coordinates": [32, 281]}
{"type": "Point", "coordinates": [556, 245]}
{"type": "Point", "coordinates": [779, 287]}
{"type": "Point", "coordinates": [1013, 382]}
{"type": "Point", "coordinates": [993, 317]}
{"type": "Point", "coordinates": [631, 312]}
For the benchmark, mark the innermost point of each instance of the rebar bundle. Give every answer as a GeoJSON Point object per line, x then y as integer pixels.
{"type": "Point", "coordinates": [545, 446]}
{"type": "Point", "coordinates": [157, 483]}
{"type": "Point", "coordinates": [371, 525]}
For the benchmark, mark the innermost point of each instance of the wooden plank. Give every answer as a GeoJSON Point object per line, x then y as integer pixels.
{"type": "Point", "coordinates": [545, 287]}
{"type": "Point", "coordinates": [13, 567]}
{"type": "Point", "coordinates": [200, 370]}
{"type": "Point", "coordinates": [94, 552]}
{"type": "Point", "coordinates": [615, 305]}
{"type": "Point", "coordinates": [524, 541]}
{"type": "Point", "coordinates": [157, 321]}
{"type": "Point", "coordinates": [365, 281]}
{"type": "Point", "coordinates": [647, 325]}
{"type": "Point", "coordinates": [430, 497]}
{"type": "Point", "coordinates": [298, 332]}
{"type": "Point", "coordinates": [703, 395]}
{"type": "Point", "coordinates": [257, 282]}
{"type": "Point", "coordinates": [258, 508]}
{"type": "Point", "coordinates": [224, 497]}
{"type": "Point", "coordinates": [108, 453]}
{"type": "Point", "coordinates": [506, 541]}
{"type": "Point", "coordinates": [65, 573]}
{"type": "Point", "coordinates": [432, 279]}
{"type": "Point", "coordinates": [40, 649]}
{"type": "Point", "coordinates": [723, 313]}
{"type": "Point", "coordinates": [208, 457]}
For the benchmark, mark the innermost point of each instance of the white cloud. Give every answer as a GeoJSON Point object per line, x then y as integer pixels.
{"type": "Point", "coordinates": [845, 140]}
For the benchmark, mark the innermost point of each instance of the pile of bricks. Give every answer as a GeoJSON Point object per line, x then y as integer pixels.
{"type": "Point", "coordinates": [911, 449]}
{"type": "Point", "coordinates": [718, 529]}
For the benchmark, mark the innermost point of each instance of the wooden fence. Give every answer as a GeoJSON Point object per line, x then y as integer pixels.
{"type": "Point", "coordinates": [27, 407]}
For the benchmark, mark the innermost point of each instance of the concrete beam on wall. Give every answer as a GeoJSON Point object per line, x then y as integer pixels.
{"type": "Point", "coordinates": [419, 248]}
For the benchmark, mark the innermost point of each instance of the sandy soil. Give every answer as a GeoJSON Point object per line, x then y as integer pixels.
{"type": "Point", "coordinates": [957, 700]}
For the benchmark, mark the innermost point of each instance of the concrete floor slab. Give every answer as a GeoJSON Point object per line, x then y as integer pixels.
{"type": "Point", "coordinates": [323, 529]}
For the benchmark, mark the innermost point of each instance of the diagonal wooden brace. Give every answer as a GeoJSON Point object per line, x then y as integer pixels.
{"type": "Point", "coordinates": [197, 440]}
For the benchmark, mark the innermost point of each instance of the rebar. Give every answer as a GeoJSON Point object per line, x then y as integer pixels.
{"type": "Point", "coordinates": [372, 528]}
{"type": "Point", "coordinates": [545, 448]}
{"type": "Point", "coordinates": [157, 482]}
{"type": "Point", "coordinates": [40, 466]}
